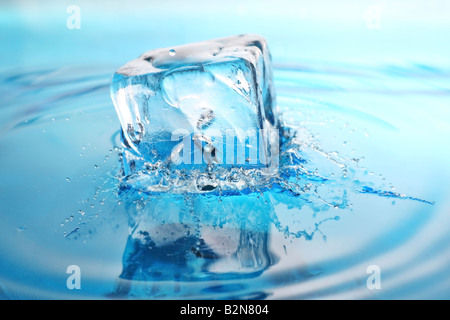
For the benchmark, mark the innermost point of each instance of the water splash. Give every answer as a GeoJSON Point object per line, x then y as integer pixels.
{"type": "Point", "coordinates": [309, 181]}
{"type": "Point", "coordinates": [321, 180]}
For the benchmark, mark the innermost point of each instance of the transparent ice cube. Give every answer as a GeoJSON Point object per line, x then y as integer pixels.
{"type": "Point", "coordinates": [197, 104]}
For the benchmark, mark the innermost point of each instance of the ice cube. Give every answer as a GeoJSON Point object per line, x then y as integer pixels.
{"type": "Point", "coordinates": [198, 104]}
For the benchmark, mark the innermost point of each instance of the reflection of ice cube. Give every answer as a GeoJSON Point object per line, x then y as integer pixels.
{"type": "Point", "coordinates": [174, 238]}
{"type": "Point", "coordinates": [207, 91]}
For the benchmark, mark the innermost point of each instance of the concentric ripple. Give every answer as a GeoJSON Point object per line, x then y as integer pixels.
{"type": "Point", "coordinates": [365, 183]}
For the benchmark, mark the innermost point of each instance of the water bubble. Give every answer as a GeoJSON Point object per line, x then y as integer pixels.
{"type": "Point", "coordinates": [172, 52]}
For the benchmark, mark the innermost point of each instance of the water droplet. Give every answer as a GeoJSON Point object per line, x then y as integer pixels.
{"type": "Point", "coordinates": [81, 212]}
{"type": "Point", "coordinates": [68, 179]}
{"type": "Point", "coordinates": [95, 166]}
{"type": "Point", "coordinates": [172, 52]}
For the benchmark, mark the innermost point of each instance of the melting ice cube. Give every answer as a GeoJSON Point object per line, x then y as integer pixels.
{"type": "Point", "coordinates": [207, 105]}
{"type": "Point", "coordinates": [198, 104]}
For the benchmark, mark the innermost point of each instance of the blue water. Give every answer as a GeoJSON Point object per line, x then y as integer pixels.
{"type": "Point", "coordinates": [371, 125]}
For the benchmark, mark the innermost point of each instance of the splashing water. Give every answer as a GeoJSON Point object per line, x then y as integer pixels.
{"type": "Point", "coordinates": [157, 244]}
{"type": "Point", "coordinates": [190, 226]}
